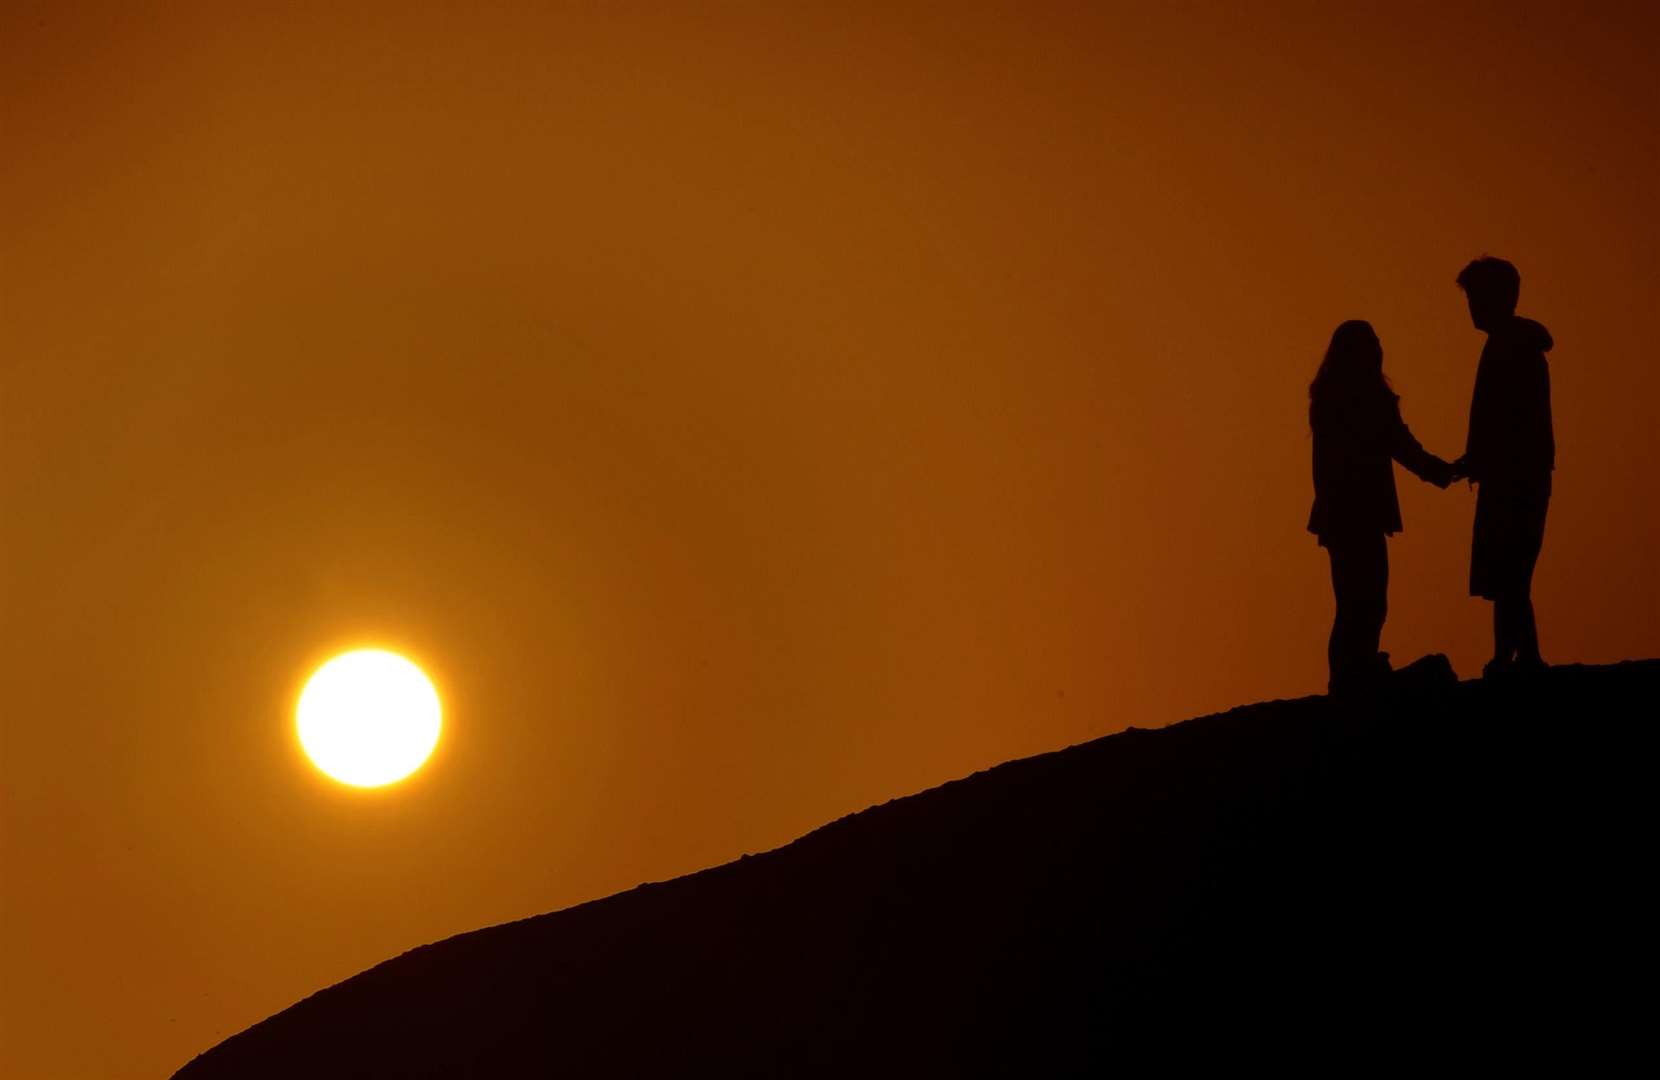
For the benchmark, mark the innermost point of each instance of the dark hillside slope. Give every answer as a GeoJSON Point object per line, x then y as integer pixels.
{"type": "Point", "coordinates": [1457, 871]}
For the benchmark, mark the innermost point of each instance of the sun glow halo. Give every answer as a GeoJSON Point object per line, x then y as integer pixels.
{"type": "Point", "coordinates": [368, 718]}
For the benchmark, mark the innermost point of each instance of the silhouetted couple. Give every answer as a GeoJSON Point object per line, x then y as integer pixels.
{"type": "Point", "coordinates": [1509, 454]}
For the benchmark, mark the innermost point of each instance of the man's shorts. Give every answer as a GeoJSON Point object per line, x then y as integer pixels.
{"type": "Point", "coordinates": [1509, 530]}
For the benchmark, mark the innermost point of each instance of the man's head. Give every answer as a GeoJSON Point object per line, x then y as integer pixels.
{"type": "Point", "coordinates": [1491, 286]}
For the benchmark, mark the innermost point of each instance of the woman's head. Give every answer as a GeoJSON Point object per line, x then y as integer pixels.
{"type": "Point", "coordinates": [1351, 371]}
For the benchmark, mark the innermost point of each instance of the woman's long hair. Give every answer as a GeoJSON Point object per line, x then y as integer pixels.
{"type": "Point", "coordinates": [1350, 375]}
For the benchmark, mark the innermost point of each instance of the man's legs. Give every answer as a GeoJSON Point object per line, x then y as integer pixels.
{"type": "Point", "coordinates": [1504, 638]}
{"type": "Point", "coordinates": [1515, 634]}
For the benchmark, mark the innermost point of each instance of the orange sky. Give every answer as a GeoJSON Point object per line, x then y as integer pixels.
{"type": "Point", "coordinates": [744, 416]}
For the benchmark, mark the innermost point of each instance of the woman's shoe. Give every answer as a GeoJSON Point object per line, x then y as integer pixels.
{"type": "Point", "coordinates": [1362, 678]}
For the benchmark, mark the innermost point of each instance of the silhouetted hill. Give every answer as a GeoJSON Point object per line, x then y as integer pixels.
{"type": "Point", "coordinates": [1454, 875]}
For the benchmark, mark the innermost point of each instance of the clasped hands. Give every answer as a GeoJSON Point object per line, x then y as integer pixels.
{"type": "Point", "coordinates": [1454, 472]}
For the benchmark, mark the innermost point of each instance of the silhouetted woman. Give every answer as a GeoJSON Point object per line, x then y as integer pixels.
{"type": "Point", "coordinates": [1358, 432]}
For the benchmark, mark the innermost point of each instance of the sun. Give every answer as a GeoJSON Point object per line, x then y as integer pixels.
{"type": "Point", "coordinates": [368, 718]}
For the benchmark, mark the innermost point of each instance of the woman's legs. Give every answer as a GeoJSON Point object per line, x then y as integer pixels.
{"type": "Point", "coordinates": [1527, 632]}
{"type": "Point", "coordinates": [1360, 581]}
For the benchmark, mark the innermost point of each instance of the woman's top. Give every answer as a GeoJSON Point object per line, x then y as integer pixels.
{"type": "Point", "coordinates": [1354, 483]}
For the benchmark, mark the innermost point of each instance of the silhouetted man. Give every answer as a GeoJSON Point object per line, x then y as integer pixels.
{"type": "Point", "coordinates": [1510, 453]}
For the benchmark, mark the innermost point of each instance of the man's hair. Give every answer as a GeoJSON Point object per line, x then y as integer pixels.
{"type": "Point", "coordinates": [1491, 282]}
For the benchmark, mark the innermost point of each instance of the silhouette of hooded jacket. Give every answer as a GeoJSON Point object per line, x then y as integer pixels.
{"type": "Point", "coordinates": [1355, 442]}
{"type": "Point", "coordinates": [1511, 443]}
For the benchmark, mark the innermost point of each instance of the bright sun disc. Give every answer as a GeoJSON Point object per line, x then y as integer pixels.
{"type": "Point", "coordinates": [368, 718]}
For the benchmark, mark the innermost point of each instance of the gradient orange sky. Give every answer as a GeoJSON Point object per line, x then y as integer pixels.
{"type": "Point", "coordinates": [744, 415]}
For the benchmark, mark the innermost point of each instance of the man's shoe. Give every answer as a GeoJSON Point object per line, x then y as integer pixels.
{"type": "Point", "coordinates": [1498, 670]}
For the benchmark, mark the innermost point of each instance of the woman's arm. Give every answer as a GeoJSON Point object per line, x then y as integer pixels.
{"type": "Point", "coordinates": [1411, 454]}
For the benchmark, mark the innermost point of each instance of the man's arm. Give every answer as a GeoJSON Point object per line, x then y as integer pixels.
{"type": "Point", "coordinates": [1476, 443]}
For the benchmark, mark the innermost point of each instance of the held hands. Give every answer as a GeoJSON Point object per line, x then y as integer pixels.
{"type": "Point", "coordinates": [1448, 472]}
